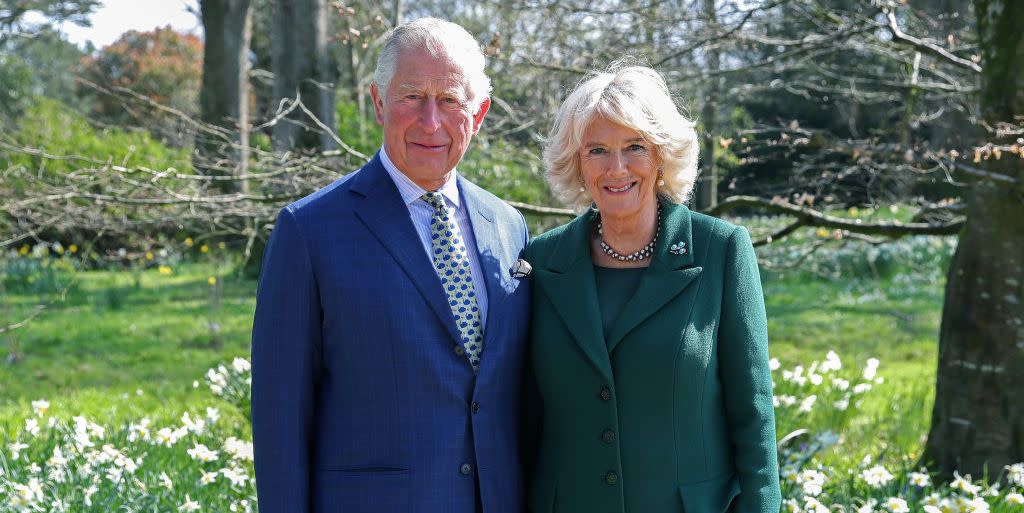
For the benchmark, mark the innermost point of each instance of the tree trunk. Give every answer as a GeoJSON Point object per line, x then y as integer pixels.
{"type": "Point", "coordinates": [707, 183]}
{"type": "Point", "coordinates": [978, 419]}
{"type": "Point", "coordinates": [224, 94]}
{"type": "Point", "coordinates": [303, 67]}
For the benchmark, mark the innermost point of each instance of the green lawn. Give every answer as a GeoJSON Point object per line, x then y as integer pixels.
{"type": "Point", "coordinates": [129, 345]}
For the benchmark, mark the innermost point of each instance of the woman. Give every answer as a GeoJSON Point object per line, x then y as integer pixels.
{"type": "Point", "coordinates": [649, 337]}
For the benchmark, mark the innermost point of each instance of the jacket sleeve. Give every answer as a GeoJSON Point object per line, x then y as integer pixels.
{"type": "Point", "coordinates": [746, 379]}
{"type": "Point", "coordinates": [285, 354]}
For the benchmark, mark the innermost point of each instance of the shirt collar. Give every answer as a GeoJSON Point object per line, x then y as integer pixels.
{"type": "Point", "coordinates": [410, 191]}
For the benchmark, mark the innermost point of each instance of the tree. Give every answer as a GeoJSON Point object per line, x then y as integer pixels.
{"type": "Point", "coordinates": [305, 75]}
{"type": "Point", "coordinates": [224, 95]}
{"type": "Point", "coordinates": [162, 67]}
{"type": "Point", "coordinates": [15, 13]}
{"type": "Point", "coordinates": [978, 419]}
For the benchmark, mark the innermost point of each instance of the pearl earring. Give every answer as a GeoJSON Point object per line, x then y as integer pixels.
{"type": "Point", "coordinates": [661, 182]}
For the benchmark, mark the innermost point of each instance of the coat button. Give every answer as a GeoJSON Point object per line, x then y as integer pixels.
{"type": "Point", "coordinates": [608, 436]}
{"type": "Point", "coordinates": [459, 350]}
{"type": "Point", "coordinates": [476, 407]}
{"type": "Point", "coordinates": [606, 394]}
{"type": "Point", "coordinates": [611, 478]}
{"type": "Point", "coordinates": [466, 469]}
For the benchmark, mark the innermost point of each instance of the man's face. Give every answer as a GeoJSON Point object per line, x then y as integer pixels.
{"type": "Point", "coordinates": [427, 117]}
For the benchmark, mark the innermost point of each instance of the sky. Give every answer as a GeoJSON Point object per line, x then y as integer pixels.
{"type": "Point", "coordinates": [116, 17]}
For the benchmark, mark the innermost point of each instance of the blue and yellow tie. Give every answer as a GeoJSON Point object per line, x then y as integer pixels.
{"type": "Point", "coordinates": [452, 265]}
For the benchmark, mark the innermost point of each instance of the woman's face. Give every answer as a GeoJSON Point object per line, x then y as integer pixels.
{"type": "Point", "coordinates": [619, 168]}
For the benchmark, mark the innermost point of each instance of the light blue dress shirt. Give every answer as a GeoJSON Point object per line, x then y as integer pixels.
{"type": "Point", "coordinates": [421, 214]}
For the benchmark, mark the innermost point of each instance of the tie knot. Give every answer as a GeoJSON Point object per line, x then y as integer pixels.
{"type": "Point", "coordinates": [436, 200]}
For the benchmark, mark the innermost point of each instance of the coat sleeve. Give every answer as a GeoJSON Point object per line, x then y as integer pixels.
{"type": "Point", "coordinates": [747, 381]}
{"type": "Point", "coordinates": [285, 354]}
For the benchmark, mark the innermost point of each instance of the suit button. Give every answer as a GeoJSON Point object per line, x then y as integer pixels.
{"type": "Point", "coordinates": [476, 407]}
{"type": "Point", "coordinates": [606, 394]}
{"type": "Point", "coordinates": [611, 478]}
{"type": "Point", "coordinates": [459, 350]}
{"type": "Point", "coordinates": [466, 469]}
{"type": "Point", "coordinates": [608, 436]}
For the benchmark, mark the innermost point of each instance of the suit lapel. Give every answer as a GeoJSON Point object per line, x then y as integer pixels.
{"type": "Point", "coordinates": [665, 278]}
{"type": "Point", "coordinates": [488, 246]}
{"type": "Point", "coordinates": [386, 216]}
{"type": "Point", "coordinates": [569, 283]}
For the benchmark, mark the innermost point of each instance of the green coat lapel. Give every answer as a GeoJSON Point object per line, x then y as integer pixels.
{"type": "Point", "coordinates": [665, 278]}
{"type": "Point", "coordinates": [569, 283]}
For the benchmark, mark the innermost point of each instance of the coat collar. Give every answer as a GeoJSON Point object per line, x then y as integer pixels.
{"type": "Point", "coordinates": [569, 282]}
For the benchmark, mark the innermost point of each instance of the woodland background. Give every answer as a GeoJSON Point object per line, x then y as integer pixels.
{"type": "Point", "coordinates": [873, 148]}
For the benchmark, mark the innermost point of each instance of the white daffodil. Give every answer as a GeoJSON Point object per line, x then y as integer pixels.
{"type": "Point", "coordinates": [868, 506]}
{"type": "Point", "coordinates": [189, 506]}
{"type": "Point", "coordinates": [236, 475]}
{"type": "Point", "coordinates": [207, 477]}
{"type": "Point", "coordinates": [16, 449]}
{"type": "Point", "coordinates": [1015, 474]}
{"type": "Point", "coordinates": [241, 365]}
{"type": "Point", "coordinates": [811, 481]}
{"type": "Point", "coordinates": [897, 505]}
{"type": "Point", "coordinates": [807, 404]}
{"type": "Point", "coordinates": [165, 481]}
{"type": "Point", "coordinates": [32, 426]}
{"type": "Point", "coordinates": [919, 479]}
{"type": "Point", "coordinates": [202, 453]}
{"type": "Point", "coordinates": [812, 505]}
{"type": "Point", "coordinates": [1014, 498]}
{"type": "Point", "coordinates": [40, 407]}
{"type": "Point", "coordinates": [238, 449]}
{"type": "Point", "coordinates": [876, 477]}
{"type": "Point", "coordinates": [212, 415]}
{"type": "Point", "coordinates": [871, 369]}
{"type": "Point", "coordinates": [963, 483]}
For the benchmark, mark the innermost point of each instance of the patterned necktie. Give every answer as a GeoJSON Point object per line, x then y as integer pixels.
{"type": "Point", "coordinates": [452, 265]}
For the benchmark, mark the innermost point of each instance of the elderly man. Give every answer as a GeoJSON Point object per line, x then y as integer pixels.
{"type": "Point", "coordinates": [390, 330]}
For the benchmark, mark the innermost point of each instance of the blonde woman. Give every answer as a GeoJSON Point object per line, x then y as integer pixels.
{"type": "Point", "coordinates": [649, 348]}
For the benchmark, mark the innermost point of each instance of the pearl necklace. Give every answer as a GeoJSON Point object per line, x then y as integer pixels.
{"type": "Point", "coordinates": [637, 256]}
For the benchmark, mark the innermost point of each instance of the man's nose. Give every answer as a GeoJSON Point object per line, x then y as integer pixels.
{"type": "Point", "coordinates": [430, 117]}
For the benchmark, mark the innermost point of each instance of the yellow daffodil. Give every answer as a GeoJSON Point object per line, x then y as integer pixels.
{"type": "Point", "coordinates": [165, 270]}
{"type": "Point", "coordinates": [188, 241]}
{"type": "Point", "coordinates": [212, 280]}
{"type": "Point", "coordinates": [23, 250]}
{"type": "Point", "coordinates": [204, 249]}
{"type": "Point", "coordinates": [73, 248]}
{"type": "Point", "coordinates": [149, 255]}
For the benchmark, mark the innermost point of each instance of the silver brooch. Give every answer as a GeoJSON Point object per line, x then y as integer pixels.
{"type": "Point", "coordinates": [520, 269]}
{"type": "Point", "coordinates": [678, 248]}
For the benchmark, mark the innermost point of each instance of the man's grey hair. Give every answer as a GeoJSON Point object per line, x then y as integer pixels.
{"type": "Point", "coordinates": [443, 39]}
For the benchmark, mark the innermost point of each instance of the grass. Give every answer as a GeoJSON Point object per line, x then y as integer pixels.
{"type": "Point", "coordinates": [129, 344]}
{"type": "Point", "coordinates": [110, 339]}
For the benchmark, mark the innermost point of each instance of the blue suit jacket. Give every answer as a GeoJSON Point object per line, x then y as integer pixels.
{"type": "Point", "coordinates": [360, 401]}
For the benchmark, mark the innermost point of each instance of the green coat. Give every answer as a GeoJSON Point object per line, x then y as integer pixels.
{"type": "Point", "coordinates": [674, 412]}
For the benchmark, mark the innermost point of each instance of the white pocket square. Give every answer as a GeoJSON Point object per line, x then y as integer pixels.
{"type": "Point", "coordinates": [520, 269]}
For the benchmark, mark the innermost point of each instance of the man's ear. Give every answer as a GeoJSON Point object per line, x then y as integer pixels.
{"type": "Point", "coordinates": [478, 118]}
{"type": "Point", "coordinates": [378, 103]}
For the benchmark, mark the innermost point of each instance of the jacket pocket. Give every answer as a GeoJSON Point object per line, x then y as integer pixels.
{"type": "Point", "coordinates": [363, 489]}
{"type": "Point", "coordinates": [368, 470]}
{"type": "Point", "coordinates": [711, 496]}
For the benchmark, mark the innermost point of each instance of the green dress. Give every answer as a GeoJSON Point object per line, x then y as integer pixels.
{"type": "Point", "coordinates": [669, 408]}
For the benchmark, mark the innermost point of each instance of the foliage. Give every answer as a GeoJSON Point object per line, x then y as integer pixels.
{"type": "Point", "coordinates": [52, 127]}
{"type": "Point", "coordinates": [16, 80]}
{"type": "Point", "coordinates": [52, 61]}
{"type": "Point", "coordinates": [162, 65]}
{"type": "Point", "coordinates": [17, 20]}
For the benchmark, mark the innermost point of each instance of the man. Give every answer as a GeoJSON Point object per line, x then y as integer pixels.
{"type": "Point", "coordinates": [374, 389]}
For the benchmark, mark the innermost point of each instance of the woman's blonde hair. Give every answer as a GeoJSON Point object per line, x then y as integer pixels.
{"type": "Point", "coordinates": [633, 96]}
